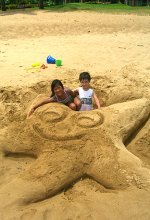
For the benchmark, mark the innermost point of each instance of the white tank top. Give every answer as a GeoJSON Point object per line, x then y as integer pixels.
{"type": "Point", "coordinates": [86, 99]}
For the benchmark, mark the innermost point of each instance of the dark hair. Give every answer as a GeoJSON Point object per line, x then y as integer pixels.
{"type": "Point", "coordinates": [84, 75]}
{"type": "Point", "coordinates": [55, 82]}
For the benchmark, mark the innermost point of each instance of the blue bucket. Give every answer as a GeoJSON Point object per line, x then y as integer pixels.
{"type": "Point", "coordinates": [51, 60]}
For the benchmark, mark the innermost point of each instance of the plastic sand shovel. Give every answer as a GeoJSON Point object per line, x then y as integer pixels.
{"type": "Point", "coordinates": [36, 64]}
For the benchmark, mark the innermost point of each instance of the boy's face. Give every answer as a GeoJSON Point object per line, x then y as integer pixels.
{"type": "Point", "coordinates": [85, 83]}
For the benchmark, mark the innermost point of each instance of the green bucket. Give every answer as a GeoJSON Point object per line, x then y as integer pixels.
{"type": "Point", "coordinates": [58, 63]}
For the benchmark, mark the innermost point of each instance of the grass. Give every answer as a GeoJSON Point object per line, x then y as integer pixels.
{"type": "Point", "coordinates": [102, 8]}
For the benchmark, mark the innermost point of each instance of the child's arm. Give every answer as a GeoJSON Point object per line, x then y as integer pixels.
{"type": "Point", "coordinates": [96, 100]}
{"type": "Point", "coordinates": [72, 93]}
{"type": "Point", "coordinates": [43, 102]}
{"type": "Point", "coordinates": [76, 92]}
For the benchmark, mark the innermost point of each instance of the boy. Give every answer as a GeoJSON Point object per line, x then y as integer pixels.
{"type": "Point", "coordinates": [85, 93]}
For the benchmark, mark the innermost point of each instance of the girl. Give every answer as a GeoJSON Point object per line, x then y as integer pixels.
{"type": "Point", "coordinates": [61, 95]}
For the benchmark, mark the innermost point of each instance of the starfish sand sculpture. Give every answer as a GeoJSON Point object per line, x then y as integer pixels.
{"type": "Point", "coordinates": [68, 145]}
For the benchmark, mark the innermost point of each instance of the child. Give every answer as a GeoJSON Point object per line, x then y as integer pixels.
{"type": "Point", "coordinates": [61, 95]}
{"type": "Point", "coordinates": [85, 93]}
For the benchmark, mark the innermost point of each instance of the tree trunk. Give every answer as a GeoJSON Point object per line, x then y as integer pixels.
{"type": "Point", "coordinates": [3, 5]}
{"type": "Point", "coordinates": [41, 4]}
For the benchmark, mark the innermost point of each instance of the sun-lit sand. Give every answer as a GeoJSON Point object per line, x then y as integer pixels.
{"type": "Point", "coordinates": [115, 49]}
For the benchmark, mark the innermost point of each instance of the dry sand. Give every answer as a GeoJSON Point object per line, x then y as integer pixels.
{"type": "Point", "coordinates": [115, 50]}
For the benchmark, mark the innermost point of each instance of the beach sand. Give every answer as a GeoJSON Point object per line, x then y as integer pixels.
{"type": "Point", "coordinates": [115, 50]}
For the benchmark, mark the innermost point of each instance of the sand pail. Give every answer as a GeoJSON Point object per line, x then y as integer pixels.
{"type": "Point", "coordinates": [58, 62]}
{"type": "Point", "coordinates": [51, 60]}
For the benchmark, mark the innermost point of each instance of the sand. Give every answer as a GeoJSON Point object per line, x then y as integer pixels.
{"type": "Point", "coordinates": [115, 50]}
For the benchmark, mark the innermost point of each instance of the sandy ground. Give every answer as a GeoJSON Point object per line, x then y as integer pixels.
{"type": "Point", "coordinates": [84, 41]}
{"type": "Point", "coordinates": [115, 50]}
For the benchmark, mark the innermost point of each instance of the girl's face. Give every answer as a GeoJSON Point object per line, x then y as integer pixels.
{"type": "Point", "coordinates": [58, 90]}
{"type": "Point", "coordinates": [85, 83]}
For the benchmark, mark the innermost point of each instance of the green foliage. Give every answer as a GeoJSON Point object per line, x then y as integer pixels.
{"type": "Point", "coordinates": [49, 3]}
{"type": "Point", "coordinates": [12, 6]}
{"type": "Point", "coordinates": [30, 5]}
{"type": "Point", "coordinates": [20, 4]}
{"type": "Point", "coordinates": [99, 7]}
{"type": "Point", "coordinates": [107, 8]}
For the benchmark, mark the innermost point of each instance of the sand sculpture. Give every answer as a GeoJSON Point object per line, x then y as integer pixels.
{"type": "Point", "coordinates": [68, 145]}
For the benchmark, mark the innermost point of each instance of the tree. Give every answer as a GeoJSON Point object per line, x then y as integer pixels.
{"type": "Point", "coordinates": [41, 4]}
{"type": "Point", "coordinates": [3, 5]}
{"type": "Point", "coordinates": [59, 2]}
